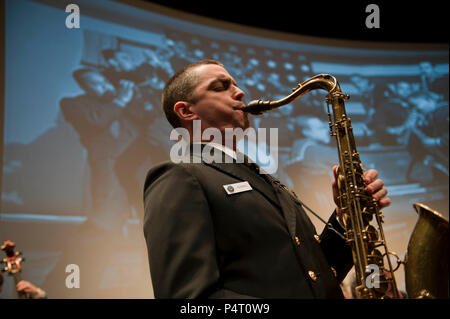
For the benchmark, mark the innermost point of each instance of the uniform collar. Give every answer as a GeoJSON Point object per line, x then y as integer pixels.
{"type": "Point", "coordinates": [228, 151]}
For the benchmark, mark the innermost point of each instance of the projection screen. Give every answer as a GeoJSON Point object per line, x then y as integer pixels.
{"type": "Point", "coordinates": [83, 124]}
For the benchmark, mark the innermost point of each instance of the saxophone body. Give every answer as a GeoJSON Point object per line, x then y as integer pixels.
{"type": "Point", "coordinates": [374, 276]}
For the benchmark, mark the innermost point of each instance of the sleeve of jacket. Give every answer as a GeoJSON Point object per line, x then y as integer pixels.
{"type": "Point", "coordinates": [337, 252]}
{"type": "Point", "coordinates": [179, 233]}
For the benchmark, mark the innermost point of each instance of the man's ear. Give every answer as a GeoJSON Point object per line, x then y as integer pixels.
{"type": "Point", "coordinates": [183, 111]}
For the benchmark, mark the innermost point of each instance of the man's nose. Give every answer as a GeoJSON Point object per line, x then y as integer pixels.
{"type": "Point", "coordinates": [238, 94]}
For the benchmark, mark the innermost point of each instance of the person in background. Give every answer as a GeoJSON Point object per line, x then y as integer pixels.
{"type": "Point", "coordinates": [31, 290]}
{"type": "Point", "coordinates": [27, 287]}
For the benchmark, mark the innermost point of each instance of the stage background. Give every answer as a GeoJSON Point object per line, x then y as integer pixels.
{"type": "Point", "coordinates": [74, 163]}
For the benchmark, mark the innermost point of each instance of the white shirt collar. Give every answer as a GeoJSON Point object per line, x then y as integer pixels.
{"type": "Point", "coordinates": [228, 151]}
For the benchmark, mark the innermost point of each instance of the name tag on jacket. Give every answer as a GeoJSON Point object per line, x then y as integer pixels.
{"type": "Point", "coordinates": [237, 188]}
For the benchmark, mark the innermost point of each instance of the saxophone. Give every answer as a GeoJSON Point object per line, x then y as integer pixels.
{"type": "Point", "coordinates": [374, 280]}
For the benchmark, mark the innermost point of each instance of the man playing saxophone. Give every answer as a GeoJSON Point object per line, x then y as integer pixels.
{"type": "Point", "coordinates": [206, 241]}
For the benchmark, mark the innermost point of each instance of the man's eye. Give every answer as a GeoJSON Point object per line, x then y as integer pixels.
{"type": "Point", "coordinates": [221, 87]}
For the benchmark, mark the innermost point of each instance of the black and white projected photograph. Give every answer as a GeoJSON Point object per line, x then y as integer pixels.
{"type": "Point", "coordinates": [83, 123]}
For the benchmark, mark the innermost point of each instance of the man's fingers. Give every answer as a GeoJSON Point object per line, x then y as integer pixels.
{"type": "Point", "coordinates": [370, 176]}
{"type": "Point", "coordinates": [335, 170]}
{"type": "Point", "coordinates": [335, 173]}
{"type": "Point", "coordinates": [380, 194]}
{"type": "Point", "coordinates": [384, 202]}
{"type": "Point", "coordinates": [375, 186]}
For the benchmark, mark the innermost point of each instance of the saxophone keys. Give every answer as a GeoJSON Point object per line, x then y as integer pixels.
{"type": "Point", "coordinates": [372, 233]}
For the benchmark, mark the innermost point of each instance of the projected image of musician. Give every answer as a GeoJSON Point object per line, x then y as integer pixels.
{"type": "Point", "coordinates": [150, 145]}
{"type": "Point", "coordinates": [105, 131]}
{"type": "Point", "coordinates": [97, 117]}
{"type": "Point", "coordinates": [122, 92]}
{"type": "Point", "coordinates": [151, 73]}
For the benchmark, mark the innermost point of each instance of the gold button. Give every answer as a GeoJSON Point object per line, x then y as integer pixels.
{"type": "Point", "coordinates": [334, 272]}
{"type": "Point", "coordinates": [317, 238]}
{"type": "Point", "coordinates": [312, 275]}
{"type": "Point", "coordinates": [297, 241]}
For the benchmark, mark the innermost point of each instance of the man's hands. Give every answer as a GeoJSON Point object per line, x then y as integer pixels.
{"type": "Point", "coordinates": [374, 186]}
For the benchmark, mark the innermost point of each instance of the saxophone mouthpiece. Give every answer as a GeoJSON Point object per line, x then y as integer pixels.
{"type": "Point", "coordinates": [257, 107]}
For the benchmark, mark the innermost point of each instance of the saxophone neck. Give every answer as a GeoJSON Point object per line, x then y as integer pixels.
{"type": "Point", "coordinates": [325, 82]}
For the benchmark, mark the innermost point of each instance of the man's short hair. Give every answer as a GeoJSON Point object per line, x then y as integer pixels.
{"type": "Point", "coordinates": [180, 87]}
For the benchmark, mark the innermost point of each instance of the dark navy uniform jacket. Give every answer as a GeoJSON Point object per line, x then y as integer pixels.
{"type": "Point", "coordinates": [205, 243]}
